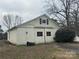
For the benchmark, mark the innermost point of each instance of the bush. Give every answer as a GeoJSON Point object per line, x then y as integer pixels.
{"type": "Point", "coordinates": [64, 35]}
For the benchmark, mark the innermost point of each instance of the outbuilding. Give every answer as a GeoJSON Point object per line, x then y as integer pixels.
{"type": "Point", "coordinates": [38, 30]}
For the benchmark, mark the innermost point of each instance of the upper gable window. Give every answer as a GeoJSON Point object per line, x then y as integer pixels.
{"type": "Point", "coordinates": [45, 21]}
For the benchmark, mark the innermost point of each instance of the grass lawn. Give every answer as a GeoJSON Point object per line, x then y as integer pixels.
{"type": "Point", "coordinates": [44, 51]}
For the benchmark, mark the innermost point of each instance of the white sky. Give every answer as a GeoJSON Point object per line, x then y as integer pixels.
{"type": "Point", "coordinates": [28, 9]}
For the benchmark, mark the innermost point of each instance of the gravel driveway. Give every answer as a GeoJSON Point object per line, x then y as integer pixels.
{"type": "Point", "coordinates": [69, 46]}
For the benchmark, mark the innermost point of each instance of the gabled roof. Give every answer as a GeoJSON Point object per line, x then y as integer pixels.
{"type": "Point", "coordinates": [35, 18]}
{"type": "Point", "coordinates": [32, 20]}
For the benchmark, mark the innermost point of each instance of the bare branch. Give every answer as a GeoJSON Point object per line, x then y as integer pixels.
{"type": "Point", "coordinates": [10, 21]}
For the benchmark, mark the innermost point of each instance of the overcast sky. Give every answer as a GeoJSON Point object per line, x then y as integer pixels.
{"type": "Point", "coordinates": [26, 8]}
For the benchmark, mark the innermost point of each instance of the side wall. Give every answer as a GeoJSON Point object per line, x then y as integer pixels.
{"type": "Point", "coordinates": [12, 36]}
{"type": "Point", "coordinates": [24, 35]}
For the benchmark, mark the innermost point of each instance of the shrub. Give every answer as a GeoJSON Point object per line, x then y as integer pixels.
{"type": "Point", "coordinates": [64, 35]}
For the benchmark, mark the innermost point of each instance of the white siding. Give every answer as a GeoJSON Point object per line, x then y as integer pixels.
{"type": "Point", "coordinates": [76, 39]}
{"type": "Point", "coordinates": [41, 38]}
{"type": "Point", "coordinates": [19, 36]}
{"type": "Point", "coordinates": [22, 37]}
{"type": "Point", "coordinates": [12, 37]}
{"type": "Point", "coordinates": [50, 38]}
{"type": "Point", "coordinates": [36, 23]}
{"type": "Point", "coordinates": [44, 38]}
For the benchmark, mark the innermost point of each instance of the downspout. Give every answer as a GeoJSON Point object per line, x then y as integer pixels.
{"type": "Point", "coordinates": [44, 36]}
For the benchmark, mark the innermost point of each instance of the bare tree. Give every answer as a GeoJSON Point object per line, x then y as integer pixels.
{"type": "Point", "coordinates": [61, 9]}
{"type": "Point", "coordinates": [75, 16]}
{"type": "Point", "coordinates": [17, 20]}
{"type": "Point", "coordinates": [75, 13]}
{"type": "Point", "coordinates": [10, 21]}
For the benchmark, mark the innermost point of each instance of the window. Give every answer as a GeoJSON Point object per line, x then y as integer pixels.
{"type": "Point", "coordinates": [39, 33]}
{"type": "Point", "coordinates": [44, 21]}
{"type": "Point", "coordinates": [48, 33]}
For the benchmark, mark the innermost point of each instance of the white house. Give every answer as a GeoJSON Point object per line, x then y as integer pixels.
{"type": "Point", "coordinates": [38, 30]}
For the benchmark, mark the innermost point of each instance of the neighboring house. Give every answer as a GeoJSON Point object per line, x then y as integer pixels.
{"type": "Point", "coordinates": [1, 33]}
{"type": "Point", "coordinates": [5, 36]}
{"type": "Point", "coordinates": [39, 30]}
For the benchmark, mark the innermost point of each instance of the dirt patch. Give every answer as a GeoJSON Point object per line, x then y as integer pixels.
{"type": "Point", "coordinates": [44, 51]}
{"type": "Point", "coordinates": [65, 55]}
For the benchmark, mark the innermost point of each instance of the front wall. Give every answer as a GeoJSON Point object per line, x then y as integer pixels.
{"type": "Point", "coordinates": [44, 38]}
{"type": "Point", "coordinates": [32, 27]}
{"type": "Point", "coordinates": [22, 38]}
{"type": "Point", "coordinates": [41, 38]}
{"type": "Point", "coordinates": [50, 38]}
